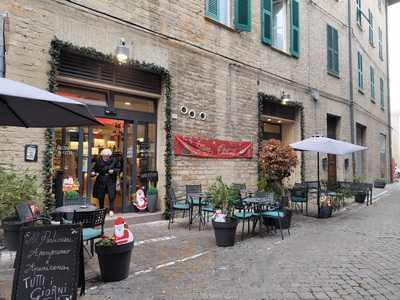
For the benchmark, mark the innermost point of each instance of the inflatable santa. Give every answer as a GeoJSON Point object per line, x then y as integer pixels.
{"type": "Point", "coordinates": [141, 201]}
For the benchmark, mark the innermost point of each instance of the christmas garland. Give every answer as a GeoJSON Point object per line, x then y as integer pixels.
{"type": "Point", "coordinates": [264, 98]}
{"type": "Point", "coordinates": [55, 53]}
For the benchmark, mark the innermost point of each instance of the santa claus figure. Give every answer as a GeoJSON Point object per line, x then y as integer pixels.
{"type": "Point", "coordinates": [141, 201]}
{"type": "Point", "coordinates": [121, 232]}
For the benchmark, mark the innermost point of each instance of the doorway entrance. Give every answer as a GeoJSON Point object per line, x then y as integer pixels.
{"type": "Point", "coordinates": [332, 126]}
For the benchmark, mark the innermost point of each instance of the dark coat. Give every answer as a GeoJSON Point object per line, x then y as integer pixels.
{"type": "Point", "coordinates": [106, 182]}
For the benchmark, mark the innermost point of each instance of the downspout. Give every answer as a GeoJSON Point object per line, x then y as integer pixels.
{"type": "Point", "coordinates": [2, 45]}
{"type": "Point", "coordinates": [388, 94]}
{"type": "Point", "coordinates": [351, 95]}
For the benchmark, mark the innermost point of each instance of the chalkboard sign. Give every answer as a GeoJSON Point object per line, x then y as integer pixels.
{"type": "Point", "coordinates": [47, 263]}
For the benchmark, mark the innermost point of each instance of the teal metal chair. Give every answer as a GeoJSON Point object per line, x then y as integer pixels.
{"type": "Point", "coordinates": [276, 215]}
{"type": "Point", "coordinates": [242, 212]}
{"type": "Point", "coordinates": [175, 205]}
{"type": "Point", "coordinates": [299, 195]}
{"type": "Point", "coordinates": [92, 225]}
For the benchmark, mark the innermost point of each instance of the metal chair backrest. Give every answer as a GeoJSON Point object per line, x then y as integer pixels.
{"type": "Point", "coordinates": [24, 212]}
{"type": "Point", "coordinates": [299, 192]}
{"type": "Point", "coordinates": [172, 197]}
{"type": "Point", "coordinates": [192, 189]}
{"type": "Point", "coordinates": [90, 219]}
{"type": "Point", "coordinates": [239, 186]}
{"type": "Point", "coordinates": [259, 194]}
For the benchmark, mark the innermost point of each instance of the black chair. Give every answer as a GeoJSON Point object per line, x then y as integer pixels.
{"type": "Point", "coordinates": [276, 215]}
{"type": "Point", "coordinates": [92, 225]}
{"type": "Point", "coordinates": [242, 211]}
{"type": "Point", "coordinates": [175, 205]}
{"type": "Point", "coordinates": [25, 214]}
{"type": "Point", "coordinates": [299, 195]}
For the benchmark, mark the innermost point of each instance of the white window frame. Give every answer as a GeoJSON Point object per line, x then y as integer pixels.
{"type": "Point", "coordinates": [225, 12]}
{"type": "Point", "coordinates": [286, 24]}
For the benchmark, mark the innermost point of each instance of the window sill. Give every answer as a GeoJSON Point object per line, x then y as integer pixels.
{"type": "Point", "coordinates": [334, 74]}
{"type": "Point", "coordinates": [361, 91]}
{"type": "Point", "coordinates": [373, 101]}
{"type": "Point", "coordinates": [220, 24]}
{"type": "Point", "coordinates": [360, 27]}
{"type": "Point", "coordinates": [382, 108]}
{"type": "Point", "coordinates": [279, 50]}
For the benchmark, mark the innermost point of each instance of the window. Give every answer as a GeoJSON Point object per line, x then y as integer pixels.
{"type": "Point", "coordinates": [380, 43]}
{"type": "Point", "coordinates": [359, 13]}
{"type": "Point", "coordinates": [380, 4]}
{"type": "Point", "coordinates": [372, 76]}
{"type": "Point", "coordinates": [280, 25]}
{"type": "Point", "coordinates": [333, 50]}
{"type": "Point", "coordinates": [272, 131]}
{"type": "Point", "coordinates": [222, 11]}
{"type": "Point", "coordinates": [2, 45]}
{"type": "Point", "coordinates": [360, 72]}
{"type": "Point", "coordinates": [133, 103]}
{"type": "Point", "coordinates": [382, 94]}
{"type": "Point", "coordinates": [371, 27]}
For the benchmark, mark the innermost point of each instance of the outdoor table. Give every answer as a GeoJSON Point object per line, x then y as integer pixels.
{"type": "Point", "coordinates": [199, 197]}
{"type": "Point", "coordinates": [68, 210]}
{"type": "Point", "coordinates": [258, 203]}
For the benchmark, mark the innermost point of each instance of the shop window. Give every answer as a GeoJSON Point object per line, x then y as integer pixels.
{"type": "Point", "coordinates": [84, 96]}
{"type": "Point", "coordinates": [133, 103]}
{"type": "Point", "coordinates": [272, 131]}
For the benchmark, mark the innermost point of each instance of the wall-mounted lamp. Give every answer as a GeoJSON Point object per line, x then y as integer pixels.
{"type": "Point", "coordinates": [285, 98]}
{"type": "Point", "coordinates": [122, 51]}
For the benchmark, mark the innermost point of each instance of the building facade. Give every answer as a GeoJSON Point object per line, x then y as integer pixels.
{"type": "Point", "coordinates": [230, 64]}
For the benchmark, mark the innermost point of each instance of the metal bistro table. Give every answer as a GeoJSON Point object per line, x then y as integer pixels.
{"type": "Point", "coordinates": [258, 203]}
{"type": "Point", "coordinates": [68, 210]}
{"type": "Point", "coordinates": [197, 199]}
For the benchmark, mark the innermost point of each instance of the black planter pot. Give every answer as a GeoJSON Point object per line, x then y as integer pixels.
{"type": "Point", "coordinates": [152, 202]}
{"type": "Point", "coordinates": [325, 212]}
{"type": "Point", "coordinates": [360, 198]}
{"type": "Point", "coordinates": [114, 261]}
{"type": "Point", "coordinates": [225, 232]}
{"type": "Point", "coordinates": [11, 227]}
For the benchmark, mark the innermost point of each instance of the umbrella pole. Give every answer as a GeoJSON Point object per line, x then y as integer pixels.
{"type": "Point", "coordinates": [319, 185]}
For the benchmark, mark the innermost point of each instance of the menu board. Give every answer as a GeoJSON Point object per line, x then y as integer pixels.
{"type": "Point", "coordinates": [47, 263]}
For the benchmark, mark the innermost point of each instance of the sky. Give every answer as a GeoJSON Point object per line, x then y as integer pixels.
{"type": "Point", "coordinates": [394, 57]}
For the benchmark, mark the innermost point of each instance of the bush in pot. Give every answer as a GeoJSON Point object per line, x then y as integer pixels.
{"type": "Point", "coordinates": [152, 197]}
{"type": "Point", "coordinates": [14, 189]}
{"type": "Point", "coordinates": [223, 199]}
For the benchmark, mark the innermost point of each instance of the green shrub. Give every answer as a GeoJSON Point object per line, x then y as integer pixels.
{"type": "Point", "coordinates": [16, 188]}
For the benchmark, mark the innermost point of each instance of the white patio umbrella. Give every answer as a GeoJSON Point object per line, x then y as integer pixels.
{"type": "Point", "coordinates": [27, 106]}
{"type": "Point", "coordinates": [322, 144]}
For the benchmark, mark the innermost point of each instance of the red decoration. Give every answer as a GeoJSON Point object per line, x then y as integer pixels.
{"type": "Point", "coordinates": [212, 148]}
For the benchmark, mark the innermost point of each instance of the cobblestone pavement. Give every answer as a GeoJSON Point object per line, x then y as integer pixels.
{"type": "Point", "coordinates": [353, 255]}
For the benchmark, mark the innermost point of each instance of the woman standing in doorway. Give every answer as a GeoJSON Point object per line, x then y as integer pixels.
{"type": "Point", "coordinates": [107, 169]}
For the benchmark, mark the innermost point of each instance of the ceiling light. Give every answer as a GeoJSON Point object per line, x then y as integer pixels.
{"type": "Point", "coordinates": [269, 120]}
{"type": "Point", "coordinates": [127, 103]}
{"type": "Point", "coordinates": [285, 98]}
{"type": "Point", "coordinates": [279, 121]}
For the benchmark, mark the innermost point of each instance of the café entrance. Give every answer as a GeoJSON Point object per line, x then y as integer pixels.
{"type": "Point", "coordinates": [130, 132]}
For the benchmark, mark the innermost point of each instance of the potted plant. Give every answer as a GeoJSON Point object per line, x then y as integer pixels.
{"type": "Point", "coordinates": [223, 199]}
{"type": "Point", "coordinates": [152, 197]}
{"type": "Point", "coordinates": [326, 207]}
{"type": "Point", "coordinates": [14, 189]}
{"type": "Point", "coordinates": [114, 259]}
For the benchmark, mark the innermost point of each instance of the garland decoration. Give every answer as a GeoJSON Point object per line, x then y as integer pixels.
{"type": "Point", "coordinates": [263, 99]}
{"type": "Point", "coordinates": [55, 53]}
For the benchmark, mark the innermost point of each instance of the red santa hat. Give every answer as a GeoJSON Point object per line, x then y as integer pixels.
{"type": "Point", "coordinates": [119, 221]}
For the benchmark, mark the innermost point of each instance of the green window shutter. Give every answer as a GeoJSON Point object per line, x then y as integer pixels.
{"type": "Point", "coordinates": [360, 72]}
{"type": "Point", "coordinates": [359, 13]}
{"type": "Point", "coordinates": [371, 27]}
{"type": "Point", "coordinates": [212, 9]}
{"type": "Point", "coordinates": [372, 78]}
{"type": "Point", "coordinates": [243, 15]}
{"type": "Point", "coordinates": [333, 50]}
{"type": "Point", "coordinates": [266, 22]}
{"type": "Point", "coordinates": [330, 48]}
{"type": "Point", "coordinates": [382, 94]}
{"type": "Point", "coordinates": [295, 28]}
{"type": "Point", "coordinates": [380, 44]}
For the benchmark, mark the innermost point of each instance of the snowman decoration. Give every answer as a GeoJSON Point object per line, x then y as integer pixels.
{"type": "Point", "coordinates": [122, 234]}
{"type": "Point", "coordinates": [141, 201]}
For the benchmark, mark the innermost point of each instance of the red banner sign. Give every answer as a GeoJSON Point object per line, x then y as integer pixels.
{"type": "Point", "coordinates": [212, 148]}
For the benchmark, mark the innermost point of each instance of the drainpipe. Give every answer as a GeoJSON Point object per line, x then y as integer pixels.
{"type": "Point", "coordinates": [351, 95]}
{"type": "Point", "coordinates": [388, 95]}
{"type": "Point", "coordinates": [2, 45]}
